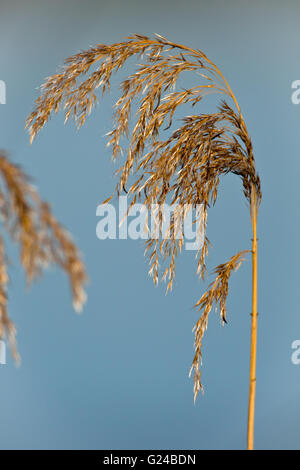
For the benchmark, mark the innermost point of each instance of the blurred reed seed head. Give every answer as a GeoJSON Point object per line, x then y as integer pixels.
{"type": "Point", "coordinates": [42, 241]}
{"type": "Point", "coordinates": [184, 167]}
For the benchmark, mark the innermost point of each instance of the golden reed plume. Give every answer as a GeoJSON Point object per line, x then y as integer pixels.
{"type": "Point", "coordinates": [184, 168]}
{"type": "Point", "coordinates": [42, 240]}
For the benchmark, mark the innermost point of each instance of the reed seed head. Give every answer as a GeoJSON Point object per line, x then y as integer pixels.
{"type": "Point", "coordinates": [183, 165]}
{"type": "Point", "coordinates": [42, 240]}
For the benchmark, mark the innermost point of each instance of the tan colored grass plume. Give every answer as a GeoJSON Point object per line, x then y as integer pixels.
{"type": "Point", "coordinates": [42, 241]}
{"type": "Point", "coordinates": [183, 165]}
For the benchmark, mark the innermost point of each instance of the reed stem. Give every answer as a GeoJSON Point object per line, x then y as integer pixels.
{"type": "Point", "coordinates": [252, 380]}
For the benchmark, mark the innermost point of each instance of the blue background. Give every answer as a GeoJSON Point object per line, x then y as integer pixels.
{"type": "Point", "coordinates": [117, 376]}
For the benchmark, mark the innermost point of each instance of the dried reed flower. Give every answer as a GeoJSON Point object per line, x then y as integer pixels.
{"type": "Point", "coordinates": [42, 240]}
{"type": "Point", "coordinates": [215, 295]}
{"type": "Point", "coordinates": [186, 166]}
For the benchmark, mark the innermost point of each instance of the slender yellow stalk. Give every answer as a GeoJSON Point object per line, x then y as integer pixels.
{"type": "Point", "coordinates": [252, 381]}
